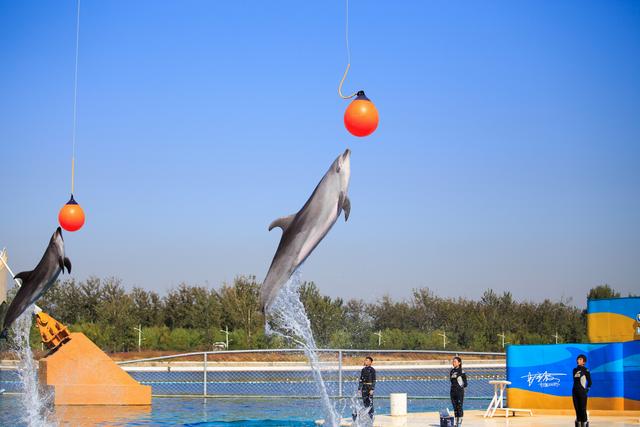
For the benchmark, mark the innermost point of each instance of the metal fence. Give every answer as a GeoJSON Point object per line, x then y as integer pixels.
{"type": "Point", "coordinates": [286, 373]}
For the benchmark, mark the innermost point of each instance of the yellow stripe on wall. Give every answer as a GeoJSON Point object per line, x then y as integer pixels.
{"type": "Point", "coordinates": [518, 398]}
{"type": "Point", "coordinates": [611, 327]}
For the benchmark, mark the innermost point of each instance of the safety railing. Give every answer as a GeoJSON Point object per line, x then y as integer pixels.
{"type": "Point", "coordinates": [286, 372]}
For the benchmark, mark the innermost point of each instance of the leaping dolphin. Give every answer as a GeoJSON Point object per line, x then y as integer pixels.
{"type": "Point", "coordinates": [301, 232]}
{"type": "Point", "coordinates": [37, 281]}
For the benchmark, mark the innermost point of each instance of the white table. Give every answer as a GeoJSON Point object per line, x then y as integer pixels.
{"type": "Point", "coordinates": [498, 399]}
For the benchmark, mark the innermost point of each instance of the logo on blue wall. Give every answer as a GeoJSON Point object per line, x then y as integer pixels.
{"type": "Point", "coordinates": [544, 379]}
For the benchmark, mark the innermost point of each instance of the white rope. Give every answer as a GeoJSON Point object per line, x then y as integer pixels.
{"type": "Point", "coordinates": [346, 32]}
{"type": "Point", "coordinates": [75, 98]}
{"type": "Point", "coordinates": [346, 36]}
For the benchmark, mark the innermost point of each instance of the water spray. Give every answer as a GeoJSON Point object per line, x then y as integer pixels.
{"type": "Point", "coordinates": [290, 321]}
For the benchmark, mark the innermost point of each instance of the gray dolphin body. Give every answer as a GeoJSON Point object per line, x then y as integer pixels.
{"type": "Point", "coordinates": [37, 281]}
{"type": "Point", "coordinates": [301, 232]}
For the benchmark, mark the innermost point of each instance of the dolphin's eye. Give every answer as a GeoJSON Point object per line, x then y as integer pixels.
{"type": "Point", "coordinates": [338, 168]}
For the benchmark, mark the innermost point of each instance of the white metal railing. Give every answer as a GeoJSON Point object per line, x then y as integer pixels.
{"type": "Point", "coordinates": [412, 371]}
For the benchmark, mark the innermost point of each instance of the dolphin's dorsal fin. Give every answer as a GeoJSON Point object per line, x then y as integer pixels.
{"type": "Point", "coordinates": [23, 275]}
{"type": "Point", "coordinates": [67, 263]}
{"type": "Point", "coordinates": [282, 222]}
{"type": "Point", "coordinates": [346, 206]}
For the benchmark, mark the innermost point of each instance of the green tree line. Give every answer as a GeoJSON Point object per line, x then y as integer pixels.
{"type": "Point", "coordinates": [191, 317]}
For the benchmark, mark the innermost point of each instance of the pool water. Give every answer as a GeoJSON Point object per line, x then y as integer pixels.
{"type": "Point", "coordinates": [249, 412]}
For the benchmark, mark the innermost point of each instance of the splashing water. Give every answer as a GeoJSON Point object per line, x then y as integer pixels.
{"type": "Point", "coordinates": [291, 321]}
{"type": "Point", "coordinates": [359, 412]}
{"type": "Point", "coordinates": [35, 403]}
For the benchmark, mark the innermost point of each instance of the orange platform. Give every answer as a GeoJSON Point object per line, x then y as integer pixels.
{"type": "Point", "coordinates": [79, 373]}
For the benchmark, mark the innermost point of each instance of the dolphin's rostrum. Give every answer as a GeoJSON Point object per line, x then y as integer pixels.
{"type": "Point", "coordinates": [37, 281]}
{"type": "Point", "coordinates": [301, 232]}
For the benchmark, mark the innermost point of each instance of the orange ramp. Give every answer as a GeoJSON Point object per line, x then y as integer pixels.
{"type": "Point", "coordinates": [79, 373]}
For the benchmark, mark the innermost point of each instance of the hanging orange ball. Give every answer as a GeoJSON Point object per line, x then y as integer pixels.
{"type": "Point", "coordinates": [71, 216]}
{"type": "Point", "coordinates": [361, 116]}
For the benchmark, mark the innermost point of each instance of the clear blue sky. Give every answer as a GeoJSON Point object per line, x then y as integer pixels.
{"type": "Point", "coordinates": [507, 155]}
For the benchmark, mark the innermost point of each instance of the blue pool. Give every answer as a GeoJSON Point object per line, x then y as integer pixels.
{"type": "Point", "coordinates": [250, 412]}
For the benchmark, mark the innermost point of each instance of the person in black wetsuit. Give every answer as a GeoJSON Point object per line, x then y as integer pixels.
{"type": "Point", "coordinates": [581, 385]}
{"type": "Point", "coordinates": [367, 384]}
{"type": "Point", "coordinates": [458, 383]}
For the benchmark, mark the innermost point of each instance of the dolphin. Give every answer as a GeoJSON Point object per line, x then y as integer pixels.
{"type": "Point", "coordinates": [302, 231]}
{"type": "Point", "coordinates": [37, 281]}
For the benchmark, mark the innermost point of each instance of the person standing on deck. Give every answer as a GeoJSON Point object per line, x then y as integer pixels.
{"type": "Point", "coordinates": [458, 383]}
{"type": "Point", "coordinates": [367, 384]}
{"type": "Point", "coordinates": [581, 386]}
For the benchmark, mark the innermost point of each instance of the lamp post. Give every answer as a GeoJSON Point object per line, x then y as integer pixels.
{"type": "Point", "coordinates": [139, 329]}
{"type": "Point", "coordinates": [379, 334]}
{"type": "Point", "coordinates": [226, 333]}
{"type": "Point", "coordinates": [444, 339]}
{"type": "Point", "coordinates": [503, 336]}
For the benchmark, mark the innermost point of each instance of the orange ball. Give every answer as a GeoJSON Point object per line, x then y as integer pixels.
{"type": "Point", "coordinates": [361, 116]}
{"type": "Point", "coordinates": [71, 216]}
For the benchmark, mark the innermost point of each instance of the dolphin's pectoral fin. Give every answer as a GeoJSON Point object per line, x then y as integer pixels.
{"type": "Point", "coordinates": [282, 222]}
{"type": "Point", "coordinates": [346, 206]}
{"type": "Point", "coordinates": [23, 275]}
{"type": "Point", "coordinates": [67, 263]}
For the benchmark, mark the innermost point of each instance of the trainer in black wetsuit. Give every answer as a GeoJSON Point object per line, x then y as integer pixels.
{"type": "Point", "coordinates": [581, 385]}
{"type": "Point", "coordinates": [367, 384]}
{"type": "Point", "coordinates": [458, 383]}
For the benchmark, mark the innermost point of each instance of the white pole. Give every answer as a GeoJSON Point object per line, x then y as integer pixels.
{"type": "Point", "coordinates": [226, 332]}
{"type": "Point", "coordinates": [139, 329]}
{"type": "Point", "coordinates": [204, 375]}
{"type": "Point", "coordinates": [3, 280]}
{"type": "Point", "coordinates": [339, 373]}
{"type": "Point", "coordinates": [444, 339]}
{"type": "Point", "coordinates": [379, 334]}
{"type": "Point", "coordinates": [36, 309]}
{"type": "Point", "coordinates": [503, 336]}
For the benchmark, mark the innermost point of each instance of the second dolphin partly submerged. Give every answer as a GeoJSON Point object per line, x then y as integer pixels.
{"type": "Point", "coordinates": [301, 232]}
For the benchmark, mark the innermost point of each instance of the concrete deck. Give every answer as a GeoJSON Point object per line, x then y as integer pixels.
{"type": "Point", "coordinates": [475, 419]}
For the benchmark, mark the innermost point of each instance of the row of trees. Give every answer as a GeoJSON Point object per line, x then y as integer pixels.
{"type": "Point", "coordinates": [193, 317]}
